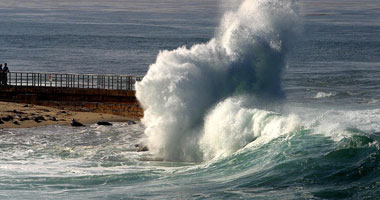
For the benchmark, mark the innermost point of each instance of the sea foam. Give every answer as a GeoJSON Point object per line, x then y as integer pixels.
{"type": "Point", "coordinates": [183, 91]}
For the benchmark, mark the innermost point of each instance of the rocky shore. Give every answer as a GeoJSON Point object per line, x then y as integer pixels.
{"type": "Point", "coordinates": [14, 115]}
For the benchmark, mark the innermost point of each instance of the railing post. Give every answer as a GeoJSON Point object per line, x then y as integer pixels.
{"type": "Point", "coordinates": [117, 82]}
{"type": "Point", "coordinates": [108, 82]}
{"type": "Point", "coordinates": [112, 82]}
{"type": "Point", "coordinates": [126, 82]}
{"type": "Point", "coordinates": [104, 82]}
{"type": "Point", "coordinates": [130, 83]}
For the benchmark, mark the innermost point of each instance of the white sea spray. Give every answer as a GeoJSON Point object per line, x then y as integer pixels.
{"type": "Point", "coordinates": [245, 58]}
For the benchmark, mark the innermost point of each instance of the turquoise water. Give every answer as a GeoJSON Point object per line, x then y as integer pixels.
{"type": "Point", "coordinates": [287, 109]}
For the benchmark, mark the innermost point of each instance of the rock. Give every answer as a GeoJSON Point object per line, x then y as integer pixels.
{"type": "Point", "coordinates": [40, 118]}
{"type": "Point", "coordinates": [76, 123]}
{"type": "Point", "coordinates": [1, 122]}
{"type": "Point", "coordinates": [53, 119]}
{"type": "Point", "coordinates": [16, 122]}
{"type": "Point", "coordinates": [142, 148]}
{"type": "Point", "coordinates": [25, 118]}
{"type": "Point", "coordinates": [62, 111]}
{"type": "Point", "coordinates": [18, 112]}
{"type": "Point", "coordinates": [26, 106]}
{"type": "Point", "coordinates": [7, 118]}
{"type": "Point", "coordinates": [37, 120]}
{"type": "Point", "coordinates": [130, 122]}
{"type": "Point", "coordinates": [103, 123]}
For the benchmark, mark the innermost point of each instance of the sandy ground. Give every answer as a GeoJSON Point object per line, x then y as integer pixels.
{"type": "Point", "coordinates": [14, 115]}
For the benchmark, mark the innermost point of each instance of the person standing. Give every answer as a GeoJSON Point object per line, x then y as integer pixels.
{"type": "Point", "coordinates": [5, 74]}
{"type": "Point", "coordinates": [1, 74]}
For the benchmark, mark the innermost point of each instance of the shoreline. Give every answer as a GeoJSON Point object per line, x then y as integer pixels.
{"type": "Point", "coordinates": [16, 115]}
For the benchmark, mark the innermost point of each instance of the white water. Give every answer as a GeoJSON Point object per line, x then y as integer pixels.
{"type": "Point", "coordinates": [321, 95]}
{"type": "Point", "coordinates": [246, 57]}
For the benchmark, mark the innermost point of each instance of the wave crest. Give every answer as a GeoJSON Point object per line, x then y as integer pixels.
{"type": "Point", "coordinates": [246, 57]}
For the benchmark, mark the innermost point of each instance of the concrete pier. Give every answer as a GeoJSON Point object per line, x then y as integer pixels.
{"type": "Point", "coordinates": [116, 97]}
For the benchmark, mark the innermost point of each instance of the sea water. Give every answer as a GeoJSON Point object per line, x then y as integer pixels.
{"type": "Point", "coordinates": [252, 99]}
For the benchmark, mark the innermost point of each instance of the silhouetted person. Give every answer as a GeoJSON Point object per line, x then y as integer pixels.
{"type": "Point", "coordinates": [5, 74]}
{"type": "Point", "coordinates": [1, 74]}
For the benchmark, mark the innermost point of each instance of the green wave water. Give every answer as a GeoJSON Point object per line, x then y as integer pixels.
{"type": "Point", "coordinates": [311, 162]}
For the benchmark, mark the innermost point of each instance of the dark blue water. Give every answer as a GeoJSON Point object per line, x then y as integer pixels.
{"type": "Point", "coordinates": [323, 143]}
{"type": "Point", "coordinates": [99, 37]}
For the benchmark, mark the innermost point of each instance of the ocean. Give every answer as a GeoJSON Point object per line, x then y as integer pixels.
{"type": "Point", "coordinates": [246, 99]}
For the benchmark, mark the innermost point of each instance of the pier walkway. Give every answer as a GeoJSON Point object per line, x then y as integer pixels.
{"type": "Point", "coordinates": [69, 80]}
{"type": "Point", "coordinates": [104, 93]}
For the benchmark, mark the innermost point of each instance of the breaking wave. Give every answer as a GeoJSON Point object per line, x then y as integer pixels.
{"type": "Point", "coordinates": [213, 98]}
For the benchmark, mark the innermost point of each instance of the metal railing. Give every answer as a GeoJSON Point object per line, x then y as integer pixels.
{"type": "Point", "coordinates": [98, 81]}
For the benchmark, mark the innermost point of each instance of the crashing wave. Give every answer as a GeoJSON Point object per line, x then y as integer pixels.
{"type": "Point", "coordinates": [184, 89]}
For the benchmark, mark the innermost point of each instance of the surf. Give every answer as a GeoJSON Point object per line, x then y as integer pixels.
{"type": "Point", "coordinates": [245, 59]}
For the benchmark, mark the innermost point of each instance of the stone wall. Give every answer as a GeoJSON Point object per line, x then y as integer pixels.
{"type": "Point", "coordinates": [119, 102]}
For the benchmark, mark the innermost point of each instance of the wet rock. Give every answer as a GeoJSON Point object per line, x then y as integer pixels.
{"type": "Point", "coordinates": [76, 123]}
{"type": "Point", "coordinates": [130, 122]}
{"type": "Point", "coordinates": [18, 112]}
{"type": "Point", "coordinates": [40, 118]}
{"type": "Point", "coordinates": [7, 118]}
{"type": "Point", "coordinates": [25, 118]}
{"type": "Point", "coordinates": [142, 148]}
{"type": "Point", "coordinates": [104, 123]}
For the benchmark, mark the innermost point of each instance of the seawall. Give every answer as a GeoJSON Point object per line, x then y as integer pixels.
{"type": "Point", "coordinates": [118, 102]}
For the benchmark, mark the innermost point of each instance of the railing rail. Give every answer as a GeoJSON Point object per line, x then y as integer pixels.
{"type": "Point", "coordinates": [70, 80]}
